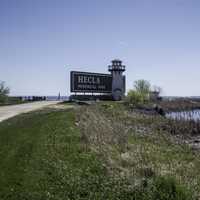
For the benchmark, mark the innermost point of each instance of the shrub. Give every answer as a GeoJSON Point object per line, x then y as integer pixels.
{"type": "Point", "coordinates": [166, 188]}
{"type": "Point", "coordinates": [135, 98]}
{"type": "Point", "coordinates": [140, 94]}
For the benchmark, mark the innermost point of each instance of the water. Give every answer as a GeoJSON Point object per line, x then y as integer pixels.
{"type": "Point", "coordinates": [185, 115]}
{"type": "Point", "coordinates": [55, 98]}
{"type": "Point", "coordinates": [48, 98]}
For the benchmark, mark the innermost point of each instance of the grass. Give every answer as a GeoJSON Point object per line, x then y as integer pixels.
{"type": "Point", "coordinates": [85, 153]}
{"type": "Point", "coordinates": [41, 157]}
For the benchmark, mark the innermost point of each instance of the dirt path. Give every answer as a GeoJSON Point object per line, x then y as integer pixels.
{"type": "Point", "coordinates": [10, 111]}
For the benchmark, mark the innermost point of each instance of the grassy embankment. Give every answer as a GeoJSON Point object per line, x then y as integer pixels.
{"type": "Point", "coordinates": [93, 152]}
{"type": "Point", "coordinates": [41, 157]}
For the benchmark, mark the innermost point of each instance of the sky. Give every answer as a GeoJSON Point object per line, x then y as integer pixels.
{"type": "Point", "coordinates": [41, 41]}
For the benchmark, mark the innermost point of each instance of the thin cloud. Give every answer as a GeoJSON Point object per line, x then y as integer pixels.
{"type": "Point", "coordinates": [123, 44]}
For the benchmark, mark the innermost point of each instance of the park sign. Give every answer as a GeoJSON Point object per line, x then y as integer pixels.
{"type": "Point", "coordinates": [106, 86]}
{"type": "Point", "coordinates": [87, 82]}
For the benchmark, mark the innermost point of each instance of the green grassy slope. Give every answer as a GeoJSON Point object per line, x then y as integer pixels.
{"type": "Point", "coordinates": [41, 157]}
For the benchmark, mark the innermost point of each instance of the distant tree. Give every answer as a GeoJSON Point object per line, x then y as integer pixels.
{"type": "Point", "coordinates": [4, 91]}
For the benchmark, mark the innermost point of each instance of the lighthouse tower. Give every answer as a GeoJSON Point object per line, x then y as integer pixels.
{"type": "Point", "coordinates": [118, 79]}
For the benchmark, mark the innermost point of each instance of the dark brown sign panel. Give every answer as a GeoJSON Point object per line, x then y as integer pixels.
{"type": "Point", "coordinates": [91, 82]}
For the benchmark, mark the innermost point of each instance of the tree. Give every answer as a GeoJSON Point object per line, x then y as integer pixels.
{"type": "Point", "coordinates": [140, 94]}
{"type": "Point", "coordinates": [4, 91]}
{"type": "Point", "coordinates": [143, 88]}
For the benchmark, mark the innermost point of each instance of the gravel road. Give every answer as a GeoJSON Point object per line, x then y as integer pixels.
{"type": "Point", "coordinates": [10, 111]}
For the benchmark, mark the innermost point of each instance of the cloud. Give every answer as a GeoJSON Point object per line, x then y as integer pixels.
{"type": "Point", "coordinates": [123, 44]}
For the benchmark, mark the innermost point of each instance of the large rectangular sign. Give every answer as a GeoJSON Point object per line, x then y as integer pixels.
{"type": "Point", "coordinates": [91, 82]}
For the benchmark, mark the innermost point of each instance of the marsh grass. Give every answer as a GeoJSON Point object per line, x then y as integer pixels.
{"type": "Point", "coordinates": [139, 146]}
{"type": "Point", "coordinates": [180, 104]}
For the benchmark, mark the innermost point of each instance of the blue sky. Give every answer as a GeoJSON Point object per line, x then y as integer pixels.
{"type": "Point", "coordinates": [42, 40]}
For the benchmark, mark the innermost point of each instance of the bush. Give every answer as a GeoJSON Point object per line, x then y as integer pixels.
{"type": "Point", "coordinates": [140, 94]}
{"type": "Point", "coordinates": [135, 98]}
{"type": "Point", "coordinates": [165, 188]}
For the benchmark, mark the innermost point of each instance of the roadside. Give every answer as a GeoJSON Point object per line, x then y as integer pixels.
{"type": "Point", "coordinates": [13, 110]}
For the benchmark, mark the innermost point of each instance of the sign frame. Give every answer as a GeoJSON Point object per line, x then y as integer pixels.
{"type": "Point", "coordinates": [72, 83]}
